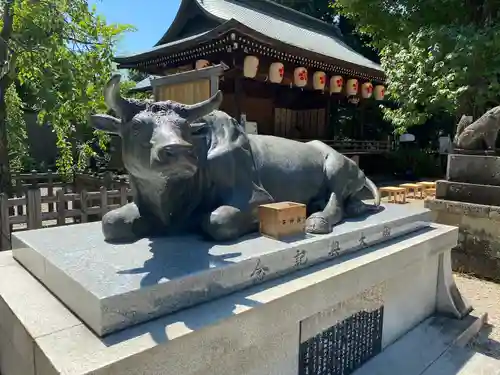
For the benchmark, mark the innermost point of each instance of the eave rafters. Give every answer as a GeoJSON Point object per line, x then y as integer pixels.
{"type": "Point", "coordinates": [234, 40]}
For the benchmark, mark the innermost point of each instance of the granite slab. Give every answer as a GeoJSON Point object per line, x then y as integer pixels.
{"type": "Point", "coordinates": [111, 287]}
{"type": "Point", "coordinates": [473, 169]}
{"type": "Point", "coordinates": [465, 192]}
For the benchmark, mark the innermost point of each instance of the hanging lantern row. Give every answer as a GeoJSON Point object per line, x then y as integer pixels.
{"type": "Point", "coordinates": [301, 76]}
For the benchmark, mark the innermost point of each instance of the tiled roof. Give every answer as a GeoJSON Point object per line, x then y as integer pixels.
{"type": "Point", "coordinates": [291, 28]}
{"type": "Point", "coordinates": [272, 20]}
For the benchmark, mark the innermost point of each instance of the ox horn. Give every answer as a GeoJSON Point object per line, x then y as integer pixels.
{"type": "Point", "coordinates": [373, 189]}
{"type": "Point", "coordinates": [196, 111]}
{"type": "Point", "coordinates": [124, 108]}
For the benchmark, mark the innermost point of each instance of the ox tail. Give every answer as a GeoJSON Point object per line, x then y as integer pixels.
{"type": "Point", "coordinates": [373, 189]}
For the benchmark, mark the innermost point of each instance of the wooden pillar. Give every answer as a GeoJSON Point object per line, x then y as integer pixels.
{"type": "Point", "coordinates": [362, 109]}
{"type": "Point", "coordinates": [238, 94]}
{"type": "Point", "coordinates": [327, 131]}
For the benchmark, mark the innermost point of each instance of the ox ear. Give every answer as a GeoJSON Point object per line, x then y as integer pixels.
{"type": "Point", "coordinates": [106, 123]}
{"type": "Point", "coordinates": [199, 129]}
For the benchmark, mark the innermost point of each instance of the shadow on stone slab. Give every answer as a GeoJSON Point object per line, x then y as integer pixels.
{"type": "Point", "coordinates": [219, 309]}
{"type": "Point", "coordinates": [169, 262]}
{"type": "Point", "coordinates": [371, 209]}
{"type": "Point", "coordinates": [485, 345]}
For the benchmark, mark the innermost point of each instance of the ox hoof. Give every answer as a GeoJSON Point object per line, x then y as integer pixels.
{"type": "Point", "coordinates": [227, 223]}
{"type": "Point", "coordinates": [124, 225]}
{"type": "Point", "coordinates": [116, 228]}
{"type": "Point", "coordinates": [317, 224]}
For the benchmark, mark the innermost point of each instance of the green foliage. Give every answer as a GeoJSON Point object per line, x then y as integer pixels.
{"type": "Point", "coordinates": [126, 86]}
{"type": "Point", "coordinates": [440, 56]}
{"type": "Point", "coordinates": [16, 130]}
{"type": "Point", "coordinates": [421, 163]}
{"type": "Point", "coordinates": [63, 57]}
{"type": "Point", "coordinates": [322, 10]}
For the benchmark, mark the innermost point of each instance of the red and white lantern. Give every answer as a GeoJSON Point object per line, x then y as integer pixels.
{"type": "Point", "coordinates": [300, 77]}
{"type": "Point", "coordinates": [379, 92]}
{"type": "Point", "coordinates": [352, 87]}
{"type": "Point", "coordinates": [336, 84]}
{"type": "Point", "coordinates": [250, 66]}
{"type": "Point", "coordinates": [276, 72]}
{"type": "Point", "coordinates": [366, 90]}
{"type": "Point", "coordinates": [319, 80]}
{"type": "Point", "coordinates": [200, 64]}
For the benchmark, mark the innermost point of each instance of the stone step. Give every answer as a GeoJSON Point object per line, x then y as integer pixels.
{"type": "Point", "coordinates": [423, 347]}
{"type": "Point", "coordinates": [475, 169]}
{"type": "Point", "coordinates": [466, 192]}
{"type": "Point", "coordinates": [464, 361]}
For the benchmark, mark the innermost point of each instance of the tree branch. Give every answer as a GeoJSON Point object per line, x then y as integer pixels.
{"type": "Point", "coordinates": [6, 32]}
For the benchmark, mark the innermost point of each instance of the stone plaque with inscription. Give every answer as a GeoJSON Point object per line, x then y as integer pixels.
{"type": "Point", "coordinates": [340, 340]}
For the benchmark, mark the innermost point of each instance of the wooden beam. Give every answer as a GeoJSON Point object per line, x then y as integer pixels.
{"type": "Point", "coordinates": [192, 75]}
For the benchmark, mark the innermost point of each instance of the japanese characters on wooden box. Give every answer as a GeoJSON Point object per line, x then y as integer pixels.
{"type": "Point", "coordinates": [282, 219]}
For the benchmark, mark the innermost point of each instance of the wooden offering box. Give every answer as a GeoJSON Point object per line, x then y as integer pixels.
{"type": "Point", "coordinates": [282, 219]}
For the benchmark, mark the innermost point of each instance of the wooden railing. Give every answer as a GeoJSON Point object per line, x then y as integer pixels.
{"type": "Point", "coordinates": [39, 211]}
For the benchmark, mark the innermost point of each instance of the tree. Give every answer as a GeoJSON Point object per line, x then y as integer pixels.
{"type": "Point", "coordinates": [55, 56]}
{"type": "Point", "coordinates": [322, 10]}
{"type": "Point", "coordinates": [439, 56]}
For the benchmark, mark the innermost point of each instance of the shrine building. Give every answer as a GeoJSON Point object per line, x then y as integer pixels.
{"type": "Point", "coordinates": [281, 71]}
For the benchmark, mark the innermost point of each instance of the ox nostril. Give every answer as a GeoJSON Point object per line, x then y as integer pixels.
{"type": "Point", "coordinates": [171, 151]}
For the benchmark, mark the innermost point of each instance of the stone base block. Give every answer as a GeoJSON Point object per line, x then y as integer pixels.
{"type": "Point", "coordinates": [474, 152]}
{"type": "Point", "coordinates": [478, 249]}
{"type": "Point", "coordinates": [474, 169]}
{"type": "Point", "coordinates": [111, 287]}
{"type": "Point", "coordinates": [426, 344]}
{"type": "Point", "coordinates": [380, 292]}
{"type": "Point", "coordinates": [465, 192]}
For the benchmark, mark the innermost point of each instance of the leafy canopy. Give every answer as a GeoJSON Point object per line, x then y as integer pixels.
{"type": "Point", "coordinates": [59, 54]}
{"type": "Point", "coordinates": [438, 55]}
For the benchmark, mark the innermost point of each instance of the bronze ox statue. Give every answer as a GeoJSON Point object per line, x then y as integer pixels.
{"type": "Point", "coordinates": [194, 169]}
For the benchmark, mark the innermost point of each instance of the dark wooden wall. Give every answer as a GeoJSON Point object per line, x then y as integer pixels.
{"type": "Point", "coordinates": [277, 109]}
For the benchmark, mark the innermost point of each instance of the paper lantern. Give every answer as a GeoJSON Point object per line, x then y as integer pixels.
{"type": "Point", "coordinates": [276, 72]}
{"type": "Point", "coordinates": [352, 87]}
{"type": "Point", "coordinates": [366, 90]}
{"type": "Point", "coordinates": [319, 80]}
{"type": "Point", "coordinates": [379, 92]}
{"type": "Point", "coordinates": [300, 77]}
{"type": "Point", "coordinates": [250, 66]}
{"type": "Point", "coordinates": [200, 64]}
{"type": "Point", "coordinates": [336, 84]}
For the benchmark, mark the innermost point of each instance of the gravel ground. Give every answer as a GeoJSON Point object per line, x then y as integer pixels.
{"type": "Point", "coordinates": [484, 297]}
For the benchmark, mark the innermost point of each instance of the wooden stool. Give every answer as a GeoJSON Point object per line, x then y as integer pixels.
{"type": "Point", "coordinates": [415, 188]}
{"type": "Point", "coordinates": [398, 194]}
{"type": "Point", "coordinates": [428, 184]}
{"type": "Point", "coordinates": [430, 192]}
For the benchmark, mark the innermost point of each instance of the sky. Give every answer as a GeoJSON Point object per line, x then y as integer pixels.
{"type": "Point", "coordinates": [151, 18]}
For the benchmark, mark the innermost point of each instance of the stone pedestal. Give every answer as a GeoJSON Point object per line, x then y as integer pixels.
{"type": "Point", "coordinates": [470, 199]}
{"type": "Point", "coordinates": [259, 306]}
